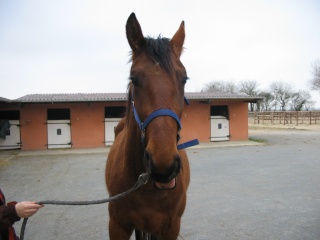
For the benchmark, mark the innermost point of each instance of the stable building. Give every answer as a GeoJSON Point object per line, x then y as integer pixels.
{"type": "Point", "coordinates": [47, 121]}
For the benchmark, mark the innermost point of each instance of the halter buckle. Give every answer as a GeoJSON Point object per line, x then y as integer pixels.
{"type": "Point", "coordinates": [143, 134]}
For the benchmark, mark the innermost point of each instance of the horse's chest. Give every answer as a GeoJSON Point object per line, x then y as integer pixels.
{"type": "Point", "coordinates": [150, 219]}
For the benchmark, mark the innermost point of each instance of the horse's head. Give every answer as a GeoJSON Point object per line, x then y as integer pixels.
{"type": "Point", "coordinates": [157, 90]}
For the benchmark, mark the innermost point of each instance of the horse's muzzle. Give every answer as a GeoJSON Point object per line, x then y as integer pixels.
{"type": "Point", "coordinates": [162, 174]}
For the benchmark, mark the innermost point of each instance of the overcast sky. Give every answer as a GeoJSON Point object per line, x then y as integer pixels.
{"type": "Point", "coordinates": [79, 46]}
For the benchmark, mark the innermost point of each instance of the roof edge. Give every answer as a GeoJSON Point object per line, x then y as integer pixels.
{"type": "Point", "coordinates": [122, 97]}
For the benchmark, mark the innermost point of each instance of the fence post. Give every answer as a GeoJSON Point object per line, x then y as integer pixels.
{"type": "Point", "coordinates": [280, 116]}
{"type": "Point", "coordinates": [254, 117]}
{"type": "Point", "coordinates": [310, 118]}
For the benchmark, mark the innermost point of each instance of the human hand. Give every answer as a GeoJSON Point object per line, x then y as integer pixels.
{"type": "Point", "coordinates": [27, 209]}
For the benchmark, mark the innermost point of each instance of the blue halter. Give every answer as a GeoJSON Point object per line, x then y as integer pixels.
{"type": "Point", "coordinates": [158, 113]}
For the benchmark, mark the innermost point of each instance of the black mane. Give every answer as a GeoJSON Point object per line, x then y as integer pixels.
{"type": "Point", "coordinates": [159, 50]}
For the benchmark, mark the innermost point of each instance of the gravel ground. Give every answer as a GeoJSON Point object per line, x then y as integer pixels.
{"type": "Point", "coordinates": [248, 192]}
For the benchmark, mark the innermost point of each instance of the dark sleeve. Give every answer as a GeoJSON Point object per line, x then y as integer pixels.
{"type": "Point", "coordinates": [8, 216]}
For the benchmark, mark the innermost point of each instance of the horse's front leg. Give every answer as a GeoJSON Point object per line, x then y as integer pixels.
{"type": "Point", "coordinates": [117, 231]}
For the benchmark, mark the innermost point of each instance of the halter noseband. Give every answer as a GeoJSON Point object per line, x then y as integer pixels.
{"type": "Point", "coordinates": [158, 113]}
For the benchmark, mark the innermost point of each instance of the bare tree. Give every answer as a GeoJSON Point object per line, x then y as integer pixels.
{"type": "Point", "coordinates": [220, 87]}
{"type": "Point", "coordinates": [231, 87]}
{"type": "Point", "coordinates": [299, 100]}
{"type": "Point", "coordinates": [249, 87]}
{"type": "Point", "coordinates": [309, 105]}
{"type": "Point", "coordinates": [315, 81]}
{"type": "Point", "coordinates": [282, 93]}
{"type": "Point", "coordinates": [268, 101]}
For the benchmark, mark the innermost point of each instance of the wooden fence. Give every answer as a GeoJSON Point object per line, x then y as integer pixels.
{"type": "Point", "coordinates": [301, 117]}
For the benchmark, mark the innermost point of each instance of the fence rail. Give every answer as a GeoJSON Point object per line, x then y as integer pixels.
{"type": "Point", "coordinates": [301, 117]}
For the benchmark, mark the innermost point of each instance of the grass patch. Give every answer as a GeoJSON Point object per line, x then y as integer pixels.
{"type": "Point", "coordinates": [3, 162]}
{"type": "Point", "coordinates": [259, 140]}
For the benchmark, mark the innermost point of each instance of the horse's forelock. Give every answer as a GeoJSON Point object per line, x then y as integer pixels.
{"type": "Point", "coordinates": [159, 50]}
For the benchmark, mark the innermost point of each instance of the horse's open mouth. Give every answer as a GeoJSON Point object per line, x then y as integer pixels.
{"type": "Point", "coordinates": [166, 186]}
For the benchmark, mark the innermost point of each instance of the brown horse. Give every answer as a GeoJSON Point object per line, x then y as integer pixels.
{"type": "Point", "coordinates": [156, 96]}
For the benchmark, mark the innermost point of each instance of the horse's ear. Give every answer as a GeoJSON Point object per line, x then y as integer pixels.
{"type": "Point", "coordinates": [134, 33]}
{"type": "Point", "coordinates": [178, 40]}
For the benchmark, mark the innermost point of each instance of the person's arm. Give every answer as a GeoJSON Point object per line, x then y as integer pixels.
{"type": "Point", "coordinates": [8, 216]}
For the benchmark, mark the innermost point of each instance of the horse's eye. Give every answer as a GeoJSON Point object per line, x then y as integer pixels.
{"type": "Point", "coordinates": [134, 80]}
{"type": "Point", "coordinates": [184, 80]}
